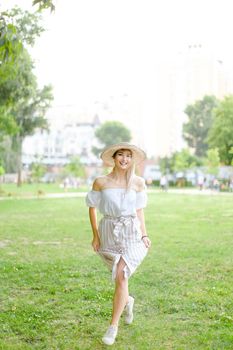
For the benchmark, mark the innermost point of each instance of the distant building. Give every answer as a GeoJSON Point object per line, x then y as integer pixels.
{"type": "Point", "coordinates": [183, 79]}
{"type": "Point", "coordinates": [57, 146]}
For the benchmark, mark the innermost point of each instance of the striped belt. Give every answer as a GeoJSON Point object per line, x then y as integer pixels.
{"type": "Point", "coordinates": [120, 222]}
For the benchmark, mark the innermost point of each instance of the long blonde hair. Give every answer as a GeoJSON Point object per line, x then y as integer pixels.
{"type": "Point", "coordinates": [130, 176]}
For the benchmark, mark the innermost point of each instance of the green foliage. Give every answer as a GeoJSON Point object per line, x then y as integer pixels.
{"type": "Point", "coordinates": [24, 24]}
{"type": "Point", "coordinates": [17, 28]}
{"type": "Point", "coordinates": [8, 155]}
{"type": "Point", "coordinates": [16, 81]}
{"type": "Point", "coordinates": [45, 4]}
{"type": "Point", "coordinates": [2, 170]}
{"type": "Point", "coordinates": [167, 164]}
{"type": "Point", "coordinates": [184, 160]}
{"type": "Point", "coordinates": [221, 134]}
{"type": "Point", "coordinates": [37, 171]}
{"type": "Point", "coordinates": [75, 168]}
{"type": "Point", "coordinates": [8, 124]}
{"type": "Point", "coordinates": [23, 104]}
{"type": "Point", "coordinates": [111, 132]}
{"type": "Point", "coordinates": [10, 45]}
{"type": "Point", "coordinates": [231, 152]}
{"type": "Point", "coordinates": [213, 161]}
{"type": "Point", "coordinates": [179, 161]}
{"type": "Point", "coordinates": [200, 116]}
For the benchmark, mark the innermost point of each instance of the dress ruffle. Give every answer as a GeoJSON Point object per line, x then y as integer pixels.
{"type": "Point", "coordinates": [93, 198]}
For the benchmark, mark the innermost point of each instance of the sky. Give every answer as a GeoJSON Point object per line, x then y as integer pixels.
{"type": "Point", "coordinates": [94, 49]}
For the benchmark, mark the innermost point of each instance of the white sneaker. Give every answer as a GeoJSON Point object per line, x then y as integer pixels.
{"type": "Point", "coordinates": [110, 335]}
{"type": "Point", "coordinates": [129, 310]}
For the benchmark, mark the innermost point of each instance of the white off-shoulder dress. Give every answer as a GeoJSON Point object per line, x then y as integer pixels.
{"type": "Point", "coordinates": [119, 228]}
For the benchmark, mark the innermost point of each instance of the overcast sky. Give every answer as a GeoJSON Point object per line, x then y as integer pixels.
{"type": "Point", "coordinates": [94, 49]}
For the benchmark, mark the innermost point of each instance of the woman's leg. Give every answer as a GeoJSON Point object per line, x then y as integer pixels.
{"type": "Point", "coordinates": [121, 294]}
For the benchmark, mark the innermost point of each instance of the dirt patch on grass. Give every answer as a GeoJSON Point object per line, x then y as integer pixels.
{"type": "Point", "coordinates": [47, 242]}
{"type": "Point", "coordinates": [4, 243]}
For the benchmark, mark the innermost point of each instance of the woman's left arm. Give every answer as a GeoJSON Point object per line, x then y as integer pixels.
{"type": "Point", "coordinates": [145, 238]}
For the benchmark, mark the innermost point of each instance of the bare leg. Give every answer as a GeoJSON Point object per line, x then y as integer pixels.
{"type": "Point", "coordinates": [121, 294]}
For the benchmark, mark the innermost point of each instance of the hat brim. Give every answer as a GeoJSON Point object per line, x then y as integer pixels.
{"type": "Point", "coordinates": [138, 155]}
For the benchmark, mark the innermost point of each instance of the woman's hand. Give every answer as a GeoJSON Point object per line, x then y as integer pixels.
{"type": "Point", "coordinates": [146, 241]}
{"type": "Point", "coordinates": [96, 243]}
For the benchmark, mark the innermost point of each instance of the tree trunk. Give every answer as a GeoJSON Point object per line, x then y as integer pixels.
{"type": "Point", "coordinates": [19, 164]}
{"type": "Point", "coordinates": [17, 146]}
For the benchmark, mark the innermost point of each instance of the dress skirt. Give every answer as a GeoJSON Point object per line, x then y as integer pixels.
{"type": "Point", "coordinates": [120, 237]}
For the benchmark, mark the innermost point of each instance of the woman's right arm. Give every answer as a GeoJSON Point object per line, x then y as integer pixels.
{"type": "Point", "coordinates": [93, 219]}
{"type": "Point", "coordinates": [94, 226]}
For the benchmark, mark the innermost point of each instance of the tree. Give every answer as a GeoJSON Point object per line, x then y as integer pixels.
{"type": "Point", "coordinates": [179, 161]}
{"type": "Point", "coordinates": [17, 28]}
{"type": "Point", "coordinates": [24, 28]}
{"type": "Point", "coordinates": [167, 164]}
{"type": "Point", "coordinates": [200, 116]}
{"type": "Point", "coordinates": [231, 152]}
{"type": "Point", "coordinates": [184, 160]}
{"type": "Point", "coordinates": [7, 122]}
{"type": "Point", "coordinates": [75, 168]}
{"type": "Point", "coordinates": [2, 172]}
{"type": "Point", "coordinates": [27, 104]}
{"type": "Point", "coordinates": [10, 44]}
{"type": "Point", "coordinates": [8, 155]}
{"type": "Point", "coordinates": [221, 133]}
{"type": "Point", "coordinates": [37, 171]}
{"type": "Point", "coordinates": [213, 161]}
{"type": "Point", "coordinates": [111, 132]}
{"type": "Point", "coordinates": [44, 4]}
{"type": "Point", "coordinates": [24, 105]}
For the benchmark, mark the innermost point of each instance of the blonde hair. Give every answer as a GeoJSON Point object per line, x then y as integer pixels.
{"type": "Point", "coordinates": [129, 176]}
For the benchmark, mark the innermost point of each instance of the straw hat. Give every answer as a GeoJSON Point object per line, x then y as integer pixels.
{"type": "Point", "coordinates": [138, 155]}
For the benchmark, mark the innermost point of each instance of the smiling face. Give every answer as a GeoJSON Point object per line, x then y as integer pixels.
{"type": "Point", "coordinates": [123, 158]}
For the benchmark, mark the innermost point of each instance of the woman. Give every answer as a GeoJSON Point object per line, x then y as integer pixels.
{"type": "Point", "coordinates": [120, 238]}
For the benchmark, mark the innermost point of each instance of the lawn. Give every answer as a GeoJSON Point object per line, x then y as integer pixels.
{"type": "Point", "coordinates": [56, 293]}
{"type": "Point", "coordinates": [35, 189]}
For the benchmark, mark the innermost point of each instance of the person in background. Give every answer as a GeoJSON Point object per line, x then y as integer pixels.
{"type": "Point", "coordinates": [200, 181]}
{"type": "Point", "coordinates": [163, 183]}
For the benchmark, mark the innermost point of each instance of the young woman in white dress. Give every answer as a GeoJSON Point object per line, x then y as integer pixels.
{"type": "Point", "coordinates": [120, 238]}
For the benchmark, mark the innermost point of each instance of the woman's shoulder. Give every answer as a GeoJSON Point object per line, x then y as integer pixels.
{"type": "Point", "coordinates": [139, 183]}
{"type": "Point", "coordinates": [99, 183]}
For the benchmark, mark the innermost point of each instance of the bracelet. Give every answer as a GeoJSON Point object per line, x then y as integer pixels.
{"type": "Point", "coordinates": [144, 237]}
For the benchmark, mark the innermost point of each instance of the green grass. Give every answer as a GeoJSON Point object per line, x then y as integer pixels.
{"type": "Point", "coordinates": [56, 293]}
{"type": "Point", "coordinates": [12, 190]}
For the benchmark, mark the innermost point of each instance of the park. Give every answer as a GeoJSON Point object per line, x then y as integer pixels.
{"type": "Point", "coordinates": [73, 82]}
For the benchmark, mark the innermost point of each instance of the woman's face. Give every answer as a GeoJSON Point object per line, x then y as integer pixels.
{"type": "Point", "coordinates": [123, 159]}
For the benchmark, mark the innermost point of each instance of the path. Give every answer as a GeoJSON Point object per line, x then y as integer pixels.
{"type": "Point", "coordinates": [187, 191]}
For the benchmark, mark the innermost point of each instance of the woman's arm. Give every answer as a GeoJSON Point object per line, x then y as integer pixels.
{"type": "Point", "coordinates": [93, 218]}
{"type": "Point", "coordinates": [94, 226]}
{"type": "Point", "coordinates": [145, 238]}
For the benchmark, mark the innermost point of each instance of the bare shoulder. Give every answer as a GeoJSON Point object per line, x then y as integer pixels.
{"type": "Point", "coordinates": [99, 182]}
{"type": "Point", "coordinates": [139, 183]}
